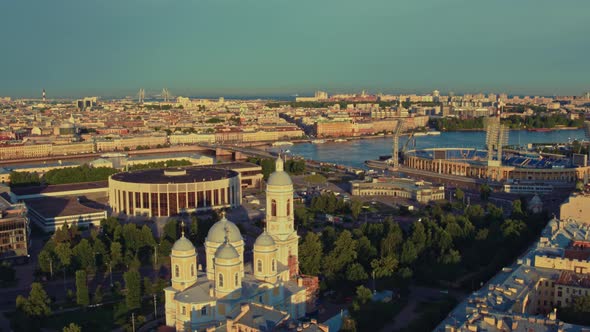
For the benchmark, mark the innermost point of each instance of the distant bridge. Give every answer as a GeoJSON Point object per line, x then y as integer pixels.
{"type": "Point", "coordinates": [236, 152]}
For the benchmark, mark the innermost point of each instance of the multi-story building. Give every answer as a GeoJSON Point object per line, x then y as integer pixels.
{"type": "Point", "coordinates": [328, 128]}
{"type": "Point", "coordinates": [130, 142]}
{"type": "Point", "coordinates": [176, 139]}
{"type": "Point", "coordinates": [527, 294]}
{"type": "Point", "coordinates": [14, 230]}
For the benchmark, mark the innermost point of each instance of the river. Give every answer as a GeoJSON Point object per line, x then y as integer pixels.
{"type": "Point", "coordinates": [355, 152]}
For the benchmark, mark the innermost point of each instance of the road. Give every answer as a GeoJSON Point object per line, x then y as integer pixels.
{"type": "Point", "coordinates": [416, 296]}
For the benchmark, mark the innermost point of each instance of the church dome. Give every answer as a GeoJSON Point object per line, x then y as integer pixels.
{"type": "Point", "coordinates": [280, 178]}
{"type": "Point", "coordinates": [226, 251]}
{"type": "Point", "coordinates": [264, 240]}
{"type": "Point", "coordinates": [217, 232]}
{"type": "Point", "coordinates": [183, 244]}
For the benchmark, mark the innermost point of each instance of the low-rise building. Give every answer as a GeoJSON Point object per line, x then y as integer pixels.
{"type": "Point", "coordinates": [50, 213]}
{"type": "Point", "coordinates": [420, 191]}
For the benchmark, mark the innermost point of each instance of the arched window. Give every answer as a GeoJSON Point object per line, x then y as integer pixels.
{"type": "Point", "coordinates": [204, 311]}
{"type": "Point", "coordinates": [220, 280]}
{"type": "Point", "coordinates": [288, 207]}
{"type": "Point", "coordinates": [259, 266]}
{"type": "Point", "coordinates": [273, 209]}
{"type": "Point", "coordinates": [236, 280]}
{"type": "Point", "coordinates": [273, 265]}
{"type": "Point", "coordinates": [176, 271]}
{"type": "Point", "coordinates": [192, 270]}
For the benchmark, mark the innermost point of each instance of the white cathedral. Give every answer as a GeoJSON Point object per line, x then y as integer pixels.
{"type": "Point", "coordinates": [201, 300]}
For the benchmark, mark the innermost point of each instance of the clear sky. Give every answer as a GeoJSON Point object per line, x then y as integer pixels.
{"type": "Point", "coordinates": [283, 47]}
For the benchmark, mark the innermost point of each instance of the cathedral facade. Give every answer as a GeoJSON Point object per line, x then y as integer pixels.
{"type": "Point", "coordinates": [198, 300]}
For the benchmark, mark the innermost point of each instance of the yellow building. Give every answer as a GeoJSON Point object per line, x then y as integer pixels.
{"type": "Point", "coordinates": [221, 294]}
{"type": "Point", "coordinates": [163, 193]}
{"type": "Point", "coordinates": [576, 207]}
{"type": "Point", "coordinates": [420, 191]}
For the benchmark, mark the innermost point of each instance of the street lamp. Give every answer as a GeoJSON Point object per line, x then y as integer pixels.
{"type": "Point", "coordinates": [111, 273]}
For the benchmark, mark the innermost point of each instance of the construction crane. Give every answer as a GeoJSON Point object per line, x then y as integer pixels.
{"type": "Point", "coordinates": [395, 153]}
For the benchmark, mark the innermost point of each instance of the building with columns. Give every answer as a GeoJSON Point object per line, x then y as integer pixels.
{"type": "Point", "coordinates": [166, 192]}
{"type": "Point", "coordinates": [473, 163]}
{"type": "Point", "coordinates": [215, 297]}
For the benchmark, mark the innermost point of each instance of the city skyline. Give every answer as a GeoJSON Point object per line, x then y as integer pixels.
{"type": "Point", "coordinates": [215, 48]}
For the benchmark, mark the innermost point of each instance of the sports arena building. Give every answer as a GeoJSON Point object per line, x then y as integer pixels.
{"type": "Point", "coordinates": [166, 192]}
{"type": "Point", "coordinates": [514, 169]}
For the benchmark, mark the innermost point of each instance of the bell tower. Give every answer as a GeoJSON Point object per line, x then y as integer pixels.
{"type": "Point", "coordinates": [280, 217]}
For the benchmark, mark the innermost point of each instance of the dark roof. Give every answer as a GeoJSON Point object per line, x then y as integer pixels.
{"type": "Point", "coordinates": [236, 165]}
{"type": "Point", "coordinates": [192, 174]}
{"type": "Point", "coordinates": [51, 207]}
{"type": "Point", "coordinates": [19, 191]}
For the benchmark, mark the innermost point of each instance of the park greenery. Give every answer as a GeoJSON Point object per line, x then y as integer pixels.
{"type": "Point", "coordinates": [117, 247]}
{"type": "Point", "coordinates": [578, 312]}
{"type": "Point", "coordinates": [161, 164]}
{"type": "Point", "coordinates": [292, 166]}
{"type": "Point", "coordinates": [513, 122]}
{"type": "Point", "coordinates": [78, 174]}
{"type": "Point", "coordinates": [451, 245]}
{"type": "Point", "coordinates": [215, 120]}
{"type": "Point", "coordinates": [84, 173]}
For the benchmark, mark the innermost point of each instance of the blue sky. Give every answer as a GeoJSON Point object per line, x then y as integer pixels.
{"type": "Point", "coordinates": [283, 47]}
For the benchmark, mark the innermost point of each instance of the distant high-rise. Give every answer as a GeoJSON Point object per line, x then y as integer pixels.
{"type": "Point", "coordinates": [44, 95]}
{"type": "Point", "coordinates": [141, 96]}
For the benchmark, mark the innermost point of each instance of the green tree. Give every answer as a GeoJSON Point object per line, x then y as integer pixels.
{"type": "Point", "coordinates": [343, 254]}
{"type": "Point", "coordinates": [116, 256]}
{"type": "Point", "coordinates": [363, 296]}
{"type": "Point", "coordinates": [356, 207]}
{"type": "Point", "coordinates": [409, 253]}
{"type": "Point", "coordinates": [391, 243]}
{"type": "Point", "coordinates": [355, 272]}
{"type": "Point", "coordinates": [171, 230]}
{"type": "Point", "coordinates": [365, 251]}
{"type": "Point", "coordinates": [193, 233]}
{"type": "Point", "coordinates": [384, 266]}
{"type": "Point", "coordinates": [84, 254]}
{"type": "Point", "coordinates": [72, 328]}
{"type": "Point", "coordinates": [418, 236]}
{"type": "Point", "coordinates": [82, 297]}
{"type": "Point", "coordinates": [484, 191]}
{"type": "Point", "coordinates": [98, 296]}
{"type": "Point", "coordinates": [459, 194]}
{"type": "Point", "coordinates": [133, 287]}
{"type": "Point", "coordinates": [37, 305]}
{"type": "Point", "coordinates": [311, 254]}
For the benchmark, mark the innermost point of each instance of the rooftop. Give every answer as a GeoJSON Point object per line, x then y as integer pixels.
{"type": "Point", "coordinates": [31, 190]}
{"type": "Point", "coordinates": [51, 207]}
{"type": "Point", "coordinates": [569, 278]}
{"type": "Point", "coordinates": [189, 174]}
